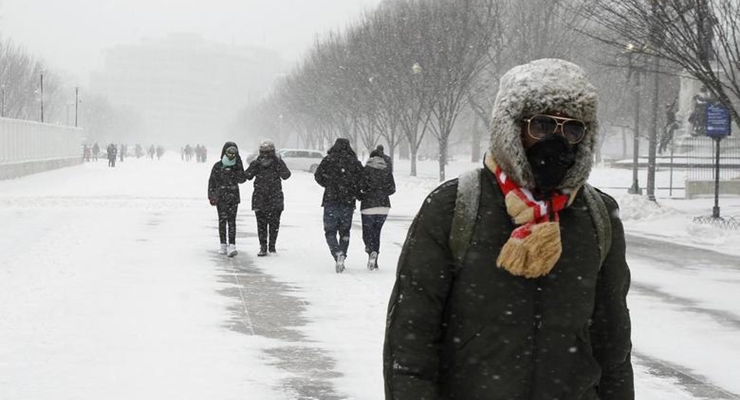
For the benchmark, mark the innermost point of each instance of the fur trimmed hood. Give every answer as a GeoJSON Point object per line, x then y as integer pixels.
{"type": "Point", "coordinates": [538, 87]}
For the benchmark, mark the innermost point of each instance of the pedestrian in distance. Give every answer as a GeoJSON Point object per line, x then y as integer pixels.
{"type": "Point", "coordinates": [95, 151]}
{"type": "Point", "coordinates": [376, 186]}
{"type": "Point", "coordinates": [339, 173]}
{"type": "Point", "coordinates": [268, 171]}
{"type": "Point", "coordinates": [512, 283]}
{"type": "Point", "coordinates": [223, 193]}
{"type": "Point", "coordinates": [112, 153]}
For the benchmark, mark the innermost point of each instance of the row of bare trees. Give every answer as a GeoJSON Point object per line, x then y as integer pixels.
{"type": "Point", "coordinates": [402, 72]}
{"type": "Point", "coordinates": [20, 84]}
{"type": "Point", "coordinates": [21, 97]}
{"type": "Point", "coordinates": [408, 71]}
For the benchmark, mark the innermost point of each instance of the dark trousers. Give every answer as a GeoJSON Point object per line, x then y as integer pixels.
{"type": "Point", "coordinates": [268, 221]}
{"type": "Point", "coordinates": [371, 227]}
{"type": "Point", "coordinates": [337, 219]}
{"type": "Point", "coordinates": [227, 219]}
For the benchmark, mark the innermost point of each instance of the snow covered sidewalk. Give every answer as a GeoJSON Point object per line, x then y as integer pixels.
{"type": "Point", "coordinates": [111, 288]}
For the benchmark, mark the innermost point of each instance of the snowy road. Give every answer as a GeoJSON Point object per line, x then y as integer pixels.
{"type": "Point", "coordinates": [110, 287]}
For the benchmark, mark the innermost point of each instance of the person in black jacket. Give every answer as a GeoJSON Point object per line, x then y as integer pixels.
{"type": "Point", "coordinates": [339, 173]}
{"type": "Point", "coordinates": [223, 192]}
{"type": "Point", "coordinates": [112, 153]}
{"type": "Point", "coordinates": [268, 171]}
{"type": "Point", "coordinates": [535, 308]}
{"type": "Point", "coordinates": [376, 185]}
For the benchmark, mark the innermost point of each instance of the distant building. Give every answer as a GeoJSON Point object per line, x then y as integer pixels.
{"type": "Point", "coordinates": [184, 89]}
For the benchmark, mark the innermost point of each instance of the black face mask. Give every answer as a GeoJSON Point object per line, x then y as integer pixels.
{"type": "Point", "coordinates": [550, 159]}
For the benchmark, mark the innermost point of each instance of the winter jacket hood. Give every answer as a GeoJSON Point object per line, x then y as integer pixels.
{"type": "Point", "coordinates": [539, 87]}
{"type": "Point", "coordinates": [342, 147]}
{"type": "Point", "coordinates": [226, 146]}
{"type": "Point", "coordinates": [377, 162]}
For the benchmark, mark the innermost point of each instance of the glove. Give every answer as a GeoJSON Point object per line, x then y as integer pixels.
{"type": "Point", "coordinates": [213, 201]}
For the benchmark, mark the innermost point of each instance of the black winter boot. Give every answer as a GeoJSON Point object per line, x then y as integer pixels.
{"type": "Point", "coordinates": [263, 251]}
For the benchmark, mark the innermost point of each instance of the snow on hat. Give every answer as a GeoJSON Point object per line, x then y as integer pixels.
{"type": "Point", "coordinates": [538, 87]}
{"type": "Point", "coordinates": [267, 145]}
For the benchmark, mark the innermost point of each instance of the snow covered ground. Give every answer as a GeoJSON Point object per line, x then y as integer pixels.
{"type": "Point", "coordinates": [111, 288]}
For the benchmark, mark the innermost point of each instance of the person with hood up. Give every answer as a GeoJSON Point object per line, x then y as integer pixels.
{"type": "Point", "coordinates": [268, 171]}
{"type": "Point", "coordinates": [535, 306]}
{"type": "Point", "coordinates": [339, 174]}
{"type": "Point", "coordinates": [376, 186]}
{"type": "Point", "coordinates": [223, 193]}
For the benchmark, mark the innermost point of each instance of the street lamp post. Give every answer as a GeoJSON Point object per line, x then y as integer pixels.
{"type": "Point", "coordinates": [2, 106]}
{"type": "Point", "coordinates": [416, 71]}
{"type": "Point", "coordinates": [635, 188]}
{"type": "Point", "coordinates": [77, 103]}
{"type": "Point", "coordinates": [42, 97]}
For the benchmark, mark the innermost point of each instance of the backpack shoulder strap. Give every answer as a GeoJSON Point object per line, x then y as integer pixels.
{"type": "Point", "coordinates": [466, 211]}
{"type": "Point", "coordinates": [601, 218]}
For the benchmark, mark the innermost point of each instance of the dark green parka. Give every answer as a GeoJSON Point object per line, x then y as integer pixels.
{"type": "Point", "coordinates": [478, 332]}
{"type": "Point", "coordinates": [481, 333]}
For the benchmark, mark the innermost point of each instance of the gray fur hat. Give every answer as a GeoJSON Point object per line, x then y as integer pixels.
{"type": "Point", "coordinates": [267, 145]}
{"type": "Point", "coordinates": [538, 87]}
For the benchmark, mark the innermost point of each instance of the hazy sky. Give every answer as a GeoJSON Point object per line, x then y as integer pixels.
{"type": "Point", "coordinates": [70, 34]}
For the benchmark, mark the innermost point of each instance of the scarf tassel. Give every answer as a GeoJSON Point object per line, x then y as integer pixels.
{"type": "Point", "coordinates": [532, 250]}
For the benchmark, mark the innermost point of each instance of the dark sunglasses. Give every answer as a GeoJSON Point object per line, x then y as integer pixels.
{"type": "Point", "coordinates": [230, 154]}
{"type": "Point", "coordinates": [542, 125]}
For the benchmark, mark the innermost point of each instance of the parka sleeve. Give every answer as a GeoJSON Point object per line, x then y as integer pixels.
{"type": "Point", "coordinates": [611, 328]}
{"type": "Point", "coordinates": [320, 174]}
{"type": "Point", "coordinates": [241, 176]}
{"type": "Point", "coordinates": [283, 169]}
{"type": "Point", "coordinates": [251, 170]}
{"type": "Point", "coordinates": [391, 185]}
{"type": "Point", "coordinates": [414, 327]}
{"type": "Point", "coordinates": [213, 184]}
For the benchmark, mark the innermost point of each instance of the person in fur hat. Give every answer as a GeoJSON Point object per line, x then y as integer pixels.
{"type": "Point", "coordinates": [268, 171]}
{"type": "Point", "coordinates": [536, 307]}
{"type": "Point", "coordinates": [223, 193]}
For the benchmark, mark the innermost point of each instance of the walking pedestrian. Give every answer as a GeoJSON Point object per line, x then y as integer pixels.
{"type": "Point", "coordinates": [112, 153]}
{"type": "Point", "coordinates": [376, 186]}
{"type": "Point", "coordinates": [268, 171]}
{"type": "Point", "coordinates": [339, 174]}
{"type": "Point", "coordinates": [512, 283]}
{"type": "Point", "coordinates": [223, 193]}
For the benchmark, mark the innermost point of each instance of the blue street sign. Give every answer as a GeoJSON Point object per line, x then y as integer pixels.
{"type": "Point", "coordinates": [718, 121]}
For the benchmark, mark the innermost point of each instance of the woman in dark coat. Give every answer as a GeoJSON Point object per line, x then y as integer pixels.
{"type": "Point", "coordinates": [339, 173]}
{"type": "Point", "coordinates": [376, 185]}
{"type": "Point", "coordinates": [223, 192]}
{"type": "Point", "coordinates": [268, 171]}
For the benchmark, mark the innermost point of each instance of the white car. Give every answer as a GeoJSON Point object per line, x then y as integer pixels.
{"type": "Point", "coordinates": [301, 159]}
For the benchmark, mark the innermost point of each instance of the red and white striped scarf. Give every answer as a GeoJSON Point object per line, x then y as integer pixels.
{"type": "Point", "coordinates": [534, 246]}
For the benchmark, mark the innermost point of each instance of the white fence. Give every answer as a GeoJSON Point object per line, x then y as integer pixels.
{"type": "Point", "coordinates": [28, 147]}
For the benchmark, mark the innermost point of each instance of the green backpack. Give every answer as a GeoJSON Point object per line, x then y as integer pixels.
{"type": "Point", "coordinates": [466, 211]}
